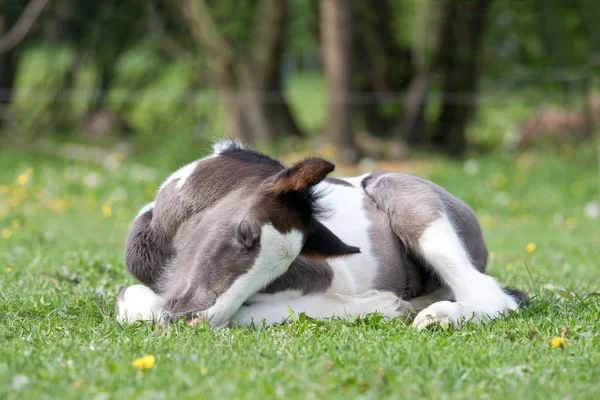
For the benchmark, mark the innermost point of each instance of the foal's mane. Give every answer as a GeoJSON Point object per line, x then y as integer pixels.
{"type": "Point", "coordinates": [237, 150]}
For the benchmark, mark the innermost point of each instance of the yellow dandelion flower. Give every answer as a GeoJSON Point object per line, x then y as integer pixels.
{"type": "Point", "coordinates": [145, 362]}
{"type": "Point", "coordinates": [106, 210]}
{"type": "Point", "coordinates": [572, 223]}
{"type": "Point", "coordinates": [6, 233]}
{"type": "Point", "coordinates": [15, 224]}
{"type": "Point", "coordinates": [23, 179]}
{"type": "Point", "coordinates": [558, 342]}
{"type": "Point", "coordinates": [530, 247]}
{"type": "Point", "coordinates": [8, 269]}
{"type": "Point", "coordinates": [499, 181]}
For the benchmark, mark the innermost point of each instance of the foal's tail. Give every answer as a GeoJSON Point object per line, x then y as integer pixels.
{"type": "Point", "coordinates": [521, 298]}
{"type": "Point", "coordinates": [146, 251]}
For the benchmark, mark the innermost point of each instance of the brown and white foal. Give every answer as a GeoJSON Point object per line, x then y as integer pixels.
{"type": "Point", "coordinates": [237, 238]}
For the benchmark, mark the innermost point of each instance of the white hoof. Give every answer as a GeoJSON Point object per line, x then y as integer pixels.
{"type": "Point", "coordinates": [138, 303]}
{"type": "Point", "coordinates": [442, 312]}
{"type": "Point", "coordinates": [457, 313]}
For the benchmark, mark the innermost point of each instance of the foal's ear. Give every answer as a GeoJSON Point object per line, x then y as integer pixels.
{"type": "Point", "coordinates": [302, 175]}
{"type": "Point", "coordinates": [322, 243]}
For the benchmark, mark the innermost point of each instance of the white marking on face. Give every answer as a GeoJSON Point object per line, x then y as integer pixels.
{"type": "Point", "coordinates": [348, 220]}
{"type": "Point", "coordinates": [139, 303]}
{"type": "Point", "coordinates": [477, 295]}
{"type": "Point", "coordinates": [277, 251]}
{"type": "Point", "coordinates": [145, 209]}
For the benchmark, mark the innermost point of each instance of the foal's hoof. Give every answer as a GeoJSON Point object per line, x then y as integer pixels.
{"type": "Point", "coordinates": [443, 313]}
{"type": "Point", "coordinates": [138, 303]}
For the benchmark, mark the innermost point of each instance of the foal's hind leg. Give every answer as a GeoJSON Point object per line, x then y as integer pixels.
{"type": "Point", "coordinates": [444, 232]}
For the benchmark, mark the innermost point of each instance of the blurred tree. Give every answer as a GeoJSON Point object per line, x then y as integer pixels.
{"type": "Point", "coordinates": [336, 32]}
{"type": "Point", "coordinates": [245, 65]}
{"type": "Point", "coordinates": [99, 32]}
{"type": "Point", "coordinates": [426, 39]}
{"type": "Point", "coordinates": [463, 29]}
{"type": "Point", "coordinates": [448, 54]}
{"type": "Point", "coordinates": [382, 66]}
{"type": "Point", "coordinates": [15, 24]}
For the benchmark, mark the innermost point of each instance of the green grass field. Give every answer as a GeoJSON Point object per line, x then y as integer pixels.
{"type": "Point", "coordinates": [62, 227]}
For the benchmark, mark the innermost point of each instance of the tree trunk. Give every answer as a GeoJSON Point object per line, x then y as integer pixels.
{"type": "Point", "coordinates": [427, 37]}
{"type": "Point", "coordinates": [410, 128]}
{"type": "Point", "coordinates": [380, 65]}
{"type": "Point", "coordinates": [336, 31]}
{"type": "Point", "coordinates": [7, 77]}
{"type": "Point", "coordinates": [14, 28]}
{"type": "Point", "coordinates": [463, 33]}
{"type": "Point", "coordinates": [249, 82]}
{"type": "Point", "coordinates": [7, 71]}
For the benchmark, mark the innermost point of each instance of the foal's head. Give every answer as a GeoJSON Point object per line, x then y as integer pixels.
{"type": "Point", "coordinates": [237, 212]}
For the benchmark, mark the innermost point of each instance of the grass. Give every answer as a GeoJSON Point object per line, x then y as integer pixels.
{"type": "Point", "coordinates": [62, 229]}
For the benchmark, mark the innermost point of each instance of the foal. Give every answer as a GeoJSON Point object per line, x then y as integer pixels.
{"type": "Point", "coordinates": [237, 238]}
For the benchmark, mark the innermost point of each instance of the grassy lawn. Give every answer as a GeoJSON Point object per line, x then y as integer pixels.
{"type": "Point", "coordinates": [63, 225]}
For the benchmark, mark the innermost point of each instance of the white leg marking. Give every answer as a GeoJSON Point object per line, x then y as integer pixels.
{"type": "Point", "coordinates": [323, 305]}
{"type": "Point", "coordinates": [277, 252]}
{"type": "Point", "coordinates": [478, 296]}
{"type": "Point", "coordinates": [138, 303]}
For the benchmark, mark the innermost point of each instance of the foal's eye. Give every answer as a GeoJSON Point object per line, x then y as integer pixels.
{"type": "Point", "coordinates": [248, 234]}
